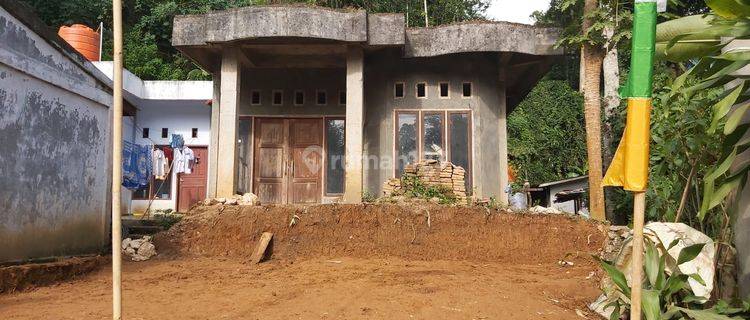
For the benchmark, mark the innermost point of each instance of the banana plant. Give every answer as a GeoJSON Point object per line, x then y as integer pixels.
{"type": "Point", "coordinates": [666, 292]}
{"type": "Point", "coordinates": [706, 43]}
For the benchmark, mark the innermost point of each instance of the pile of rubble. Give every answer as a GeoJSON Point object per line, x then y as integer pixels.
{"type": "Point", "coordinates": [139, 249]}
{"type": "Point", "coordinates": [432, 173]}
{"type": "Point", "coordinates": [616, 236]}
{"type": "Point", "coordinates": [247, 199]}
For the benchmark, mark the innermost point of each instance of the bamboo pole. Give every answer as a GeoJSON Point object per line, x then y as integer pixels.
{"type": "Point", "coordinates": [639, 208]}
{"type": "Point", "coordinates": [117, 162]}
{"type": "Point", "coordinates": [426, 20]}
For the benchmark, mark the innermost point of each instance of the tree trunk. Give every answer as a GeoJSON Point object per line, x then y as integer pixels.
{"type": "Point", "coordinates": [611, 72]}
{"type": "Point", "coordinates": [593, 56]}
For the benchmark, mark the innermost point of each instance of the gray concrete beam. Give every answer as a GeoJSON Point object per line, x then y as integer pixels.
{"type": "Point", "coordinates": [481, 37]}
{"type": "Point", "coordinates": [354, 124]}
{"type": "Point", "coordinates": [503, 127]}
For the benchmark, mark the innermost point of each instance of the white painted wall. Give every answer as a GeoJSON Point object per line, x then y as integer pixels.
{"type": "Point", "coordinates": [179, 117]}
{"type": "Point", "coordinates": [178, 106]}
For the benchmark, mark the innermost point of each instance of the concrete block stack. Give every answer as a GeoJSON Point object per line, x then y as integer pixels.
{"type": "Point", "coordinates": [432, 173]}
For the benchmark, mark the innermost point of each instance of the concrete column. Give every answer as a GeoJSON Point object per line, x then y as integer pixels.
{"type": "Point", "coordinates": [229, 101]}
{"type": "Point", "coordinates": [503, 130]}
{"type": "Point", "coordinates": [354, 124]}
{"type": "Point", "coordinates": [213, 148]}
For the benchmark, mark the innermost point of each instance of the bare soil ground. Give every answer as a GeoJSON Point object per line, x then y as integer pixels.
{"type": "Point", "coordinates": [344, 262]}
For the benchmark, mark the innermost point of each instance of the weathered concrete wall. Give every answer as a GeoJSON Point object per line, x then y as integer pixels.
{"type": "Point", "coordinates": [266, 81]}
{"type": "Point", "coordinates": [481, 37]}
{"type": "Point", "coordinates": [385, 68]}
{"type": "Point", "coordinates": [54, 154]}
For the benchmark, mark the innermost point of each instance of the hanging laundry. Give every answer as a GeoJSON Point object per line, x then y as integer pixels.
{"type": "Point", "coordinates": [136, 165]}
{"type": "Point", "coordinates": [160, 164]}
{"type": "Point", "coordinates": [177, 141]}
{"type": "Point", "coordinates": [167, 153]}
{"type": "Point", "coordinates": [183, 160]}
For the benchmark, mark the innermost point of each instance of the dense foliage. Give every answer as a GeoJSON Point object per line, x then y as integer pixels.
{"type": "Point", "coordinates": [148, 24]}
{"type": "Point", "coordinates": [546, 135]}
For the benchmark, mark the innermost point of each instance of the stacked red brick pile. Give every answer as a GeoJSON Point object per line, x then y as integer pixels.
{"type": "Point", "coordinates": [432, 173]}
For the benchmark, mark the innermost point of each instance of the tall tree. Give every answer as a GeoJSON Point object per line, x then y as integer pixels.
{"type": "Point", "coordinates": [592, 55]}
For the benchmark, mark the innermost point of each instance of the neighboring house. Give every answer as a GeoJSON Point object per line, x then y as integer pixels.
{"type": "Point", "coordinates": [566, 195]}
{"type": "Point", "coordinates": [329, 104]}
{"type": "Point", "coordinates": [165, 108]}
{"type": "Point", "coordinates": [55, 143]}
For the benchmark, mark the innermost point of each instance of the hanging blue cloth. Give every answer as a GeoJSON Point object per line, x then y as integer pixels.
{"type": "Point", "coordinates": [136, 165]}
{"type": "Point", "coordinates": [177, 141]}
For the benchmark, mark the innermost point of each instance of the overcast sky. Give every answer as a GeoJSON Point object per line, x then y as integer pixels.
{"type": "Point", "coordinates": [515, 10]}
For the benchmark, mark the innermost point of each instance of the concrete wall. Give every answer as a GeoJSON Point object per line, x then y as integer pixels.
{"type": "Point", "coordinates": [385, 67]}
{"type": "Point", "coordinates": [331, 80]}
{"type": "Point", "coordinates": [54, 149]}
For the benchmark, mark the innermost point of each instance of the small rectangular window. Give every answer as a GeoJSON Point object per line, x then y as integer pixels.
{"type": "Point", "coordinates": [255, 98]}
{"type": "Point", "coordinates": [278, 97]}
{"type": "Point", "coordinates": [299, 98]}
{"type": "Point", "coordinates": [444, 90]}
{"type": "Point", "coordinates": [321, 98]}
{"type": "Point", "coordinates": [466, 89]}
{"type": "Point", "coordinates": [145, 132]}
{"type": "Point", "coordinates": [421, 90]}
{"type": "Point", "coordinates": [398, 90]}
{"type": "Point", "coordinates": [342, 97]}
{"type": "Point", "coordinates": [194, 133]}
{"type": "Point", "coordinates": [164, 132]}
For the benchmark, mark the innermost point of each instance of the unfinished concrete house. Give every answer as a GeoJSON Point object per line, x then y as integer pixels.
{"type": "Point", "coordinates": [313, 105]}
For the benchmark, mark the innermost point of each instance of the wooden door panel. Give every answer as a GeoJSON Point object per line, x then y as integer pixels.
{"type": "Point", "coordinates": [271, 132]}
{"type": "Point", "coordinates": [307, 162]}
{"type": "Point", "coordinates": [192, 187]}
{"type": "Point", "coordinates": [305, 192]}
{"type": "Point", "coordinates": [271, 162]}
{"type": "Point", "coordinates": [270, 192]}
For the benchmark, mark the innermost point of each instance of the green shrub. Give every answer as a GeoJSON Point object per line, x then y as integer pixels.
{"type": "Point", "coordinates": [414, 187]}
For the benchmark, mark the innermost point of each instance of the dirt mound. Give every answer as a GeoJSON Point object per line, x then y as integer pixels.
{"type": "Point", "coordinates": [26, 276]}
{"type": "Point", "coordinates": [367, 231]}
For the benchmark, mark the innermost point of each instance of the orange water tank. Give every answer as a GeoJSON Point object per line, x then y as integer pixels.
{"type": "Point", "coordinates": [82, 38]}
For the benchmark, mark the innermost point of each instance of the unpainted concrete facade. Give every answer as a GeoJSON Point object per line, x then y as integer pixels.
{"type": "Point", "coordinates": [54, 144]}
{"type": "Point", "coordinates": [290, 48]}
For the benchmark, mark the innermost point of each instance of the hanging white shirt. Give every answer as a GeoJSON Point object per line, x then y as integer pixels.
{"type": "Point", "coordinates": [159, 164]}
{"type": "Point", "coordinates": [183, 160]}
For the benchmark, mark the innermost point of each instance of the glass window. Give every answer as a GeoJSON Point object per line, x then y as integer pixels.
{"type": "Point", "coordinates": [460, 143]}
{"type": "Point", "coordinates": [141, 194]}
{"type": "Point", "coordinates": [335, 130]}
{"type": "Point", "coordinates": [406, 141]}
{"type": "Point", "coordinates": [398, 90]}
{"type": "Point", "coordinates": [466, 89]}
{"type": "Point", "coordinates": [145, 132]}
{"type": "Point", "coordinates": [421, 90]}
{"type": "Point", "coordinates": [444, 92]}
{"type": "Point", "coordinates": [245, 162]}
{"type": "Point", "coordinates": [164, 132]}
{"type": "Point", "coordinates": [432, 140]}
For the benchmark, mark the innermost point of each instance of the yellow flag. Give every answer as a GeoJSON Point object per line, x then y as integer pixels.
{"type": "Point", "coordinates": [629, 168]}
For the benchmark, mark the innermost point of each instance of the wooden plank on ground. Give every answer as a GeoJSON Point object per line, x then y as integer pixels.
{"type": "Point", "coordinates": [260, 251]}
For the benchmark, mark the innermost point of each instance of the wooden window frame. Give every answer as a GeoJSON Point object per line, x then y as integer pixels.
{"type": "Point", "coordinates": [325, 156]}
{"type": "Point", "coordinates": [446, 139]}
{"type": "Point", "coordinates": [469, 171]}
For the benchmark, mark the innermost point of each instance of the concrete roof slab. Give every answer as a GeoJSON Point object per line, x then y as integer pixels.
{"type": "Point", "coordinates": [255, 22]}
{"type": "Point", "coordinates": [481, 37]}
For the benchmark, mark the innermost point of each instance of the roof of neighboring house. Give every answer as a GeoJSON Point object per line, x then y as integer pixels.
{"type": "Point", "coordinates": [564, 181]}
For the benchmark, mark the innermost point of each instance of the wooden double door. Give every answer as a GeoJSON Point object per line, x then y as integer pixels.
{"type": "Point", "coordinates": [288, 160]}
